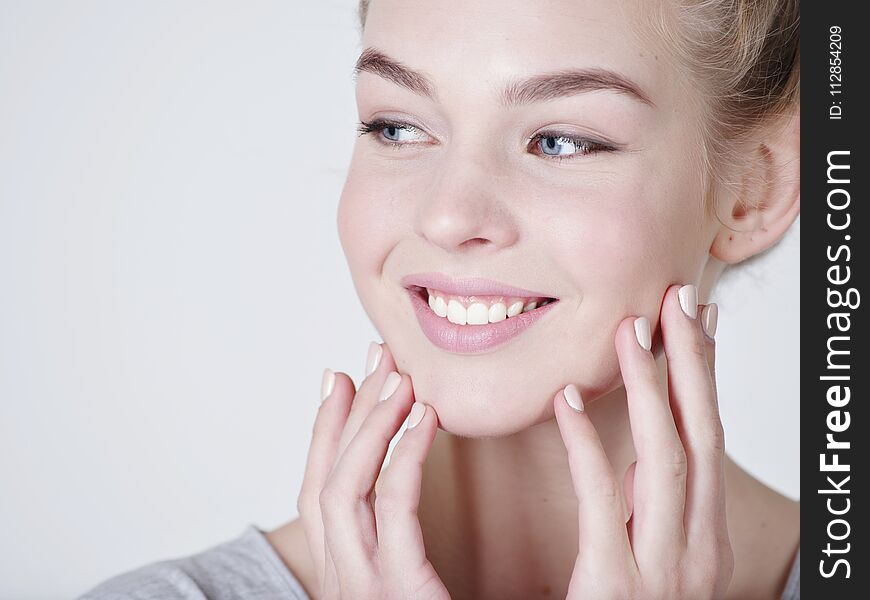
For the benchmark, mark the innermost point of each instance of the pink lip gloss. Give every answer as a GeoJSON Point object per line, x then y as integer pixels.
{"type": "Point", "coordinates": [471, 339]}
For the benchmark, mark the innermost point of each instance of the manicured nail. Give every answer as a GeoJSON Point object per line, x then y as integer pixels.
{"type": "Point", "coordinates": [327, 384]}
{"type": "Point", "coordinates": [390, 385]}
{"type": "Point", "coordinates": [641, 330]}
{"type": "Point", "coordinates": [572, 397]}
{"type": "Point", "coordinates": [374, 357]}
{"type": "Point", "coordinates": [710, 318]}
{"type": "Point", "coordinates": [689, 300]}
{"type": "Point", "coordinates": [416, 414]}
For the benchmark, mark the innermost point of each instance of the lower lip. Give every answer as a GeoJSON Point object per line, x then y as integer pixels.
{"type": "Point", "coordinates": [472, 339]}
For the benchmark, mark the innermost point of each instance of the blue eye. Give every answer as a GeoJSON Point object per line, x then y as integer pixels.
{"type": "Point", "coordinates": [391, 132]}
{"type": "Point", "coordinates": [554, 146]}
{"type": "Point", "coordinates": [560, 146]}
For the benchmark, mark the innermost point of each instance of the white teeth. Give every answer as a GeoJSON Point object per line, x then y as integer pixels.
{"type": "Point", "coordinates": [440, 307]}
{"type": "Point", "coordinates": [497, 312]}
{"type": "Point", "coordinates": [478, 314]}
{"type": "Point", "coordinates": [456, 313]}
{"type": "Point", "coordinates": [515, 308]}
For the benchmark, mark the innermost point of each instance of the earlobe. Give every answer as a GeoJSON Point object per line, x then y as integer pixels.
{"type": "Point", "coordinates": [768, 201]}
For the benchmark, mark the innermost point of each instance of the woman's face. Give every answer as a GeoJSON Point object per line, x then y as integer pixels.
{"type": "Point", "coordinates": [468, 191]}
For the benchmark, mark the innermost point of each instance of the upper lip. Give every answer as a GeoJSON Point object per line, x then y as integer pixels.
{"type": "Point", "coordinates": [470, 286]}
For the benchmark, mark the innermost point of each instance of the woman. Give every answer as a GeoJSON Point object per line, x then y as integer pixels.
{"type": "Point", "coordinates": [541, 195]}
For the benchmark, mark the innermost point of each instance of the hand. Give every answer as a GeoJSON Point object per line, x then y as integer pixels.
{"type": "Point", "coordinates": [675, 543]}
{"type": "Point", "coordinates": [368, 544]}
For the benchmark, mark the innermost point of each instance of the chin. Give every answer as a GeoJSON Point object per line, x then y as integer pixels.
{"type": "Point", "coordinates": [484, 396]}
{"type": "Point", "coordinates": [481, 406]}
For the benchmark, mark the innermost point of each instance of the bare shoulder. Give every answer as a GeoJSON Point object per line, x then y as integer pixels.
{"type": "Point", "coordinates": [289, 542]}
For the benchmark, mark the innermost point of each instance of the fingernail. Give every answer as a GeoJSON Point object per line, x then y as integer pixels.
{"type": "Point", "coordinates": [572, 397]}
{"type": "Point", "coordinates": [416, 414]}
{"type": "Point", "coordinates": [689, 300]}
{"type": "Point", "coordinates": [641, 330]}
{"type": "Point", "coordinates": [374, 357]}
{"type": "Point", "coordinates": [327, 384]}
{"type": "Point", "coordinates": [390, 385]}
{"type": "Point", "coordinates": [710, 318]}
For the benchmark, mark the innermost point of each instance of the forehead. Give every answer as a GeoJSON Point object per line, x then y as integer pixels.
{"type": "Point", "coordinates": [477, 44]}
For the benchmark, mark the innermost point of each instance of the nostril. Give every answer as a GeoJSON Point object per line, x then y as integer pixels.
{"type": "Point", "coordinates": [473, 242]}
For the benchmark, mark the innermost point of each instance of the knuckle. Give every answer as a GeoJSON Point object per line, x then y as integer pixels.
{"type": "Point", "coordinates": [373, 427]}
{"type": "Point", "coordinates": [325, 499]}
{"type": "Point", "coordinates": [389, 502]}
{"type": "Point", "coordinates": [716, 435]}
{"type": "Point", "coordinates": [696, 348]}
{"type": "Point", "coordinates": [709, 437]}
{"type": "Point", "coordinates": [607, 488]}
{"type": "Point", "coordinates": [330, 497]}
{"type": "Point", "coordinates": [676, 461]}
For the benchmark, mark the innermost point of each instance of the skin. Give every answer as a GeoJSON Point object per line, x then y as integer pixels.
{"type": "Point", "coordinates": [501, 483]}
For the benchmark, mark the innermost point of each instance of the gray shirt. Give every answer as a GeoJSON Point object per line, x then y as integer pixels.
{"type": "Point", "coordinates": [245, 567]}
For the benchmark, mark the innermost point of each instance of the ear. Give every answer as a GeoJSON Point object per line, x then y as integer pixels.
{"type": "Point", "coordinates": [768, 198]}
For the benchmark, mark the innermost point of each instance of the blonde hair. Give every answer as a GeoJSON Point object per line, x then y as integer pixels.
{"type": "Point", "coordinates": [745, 57]}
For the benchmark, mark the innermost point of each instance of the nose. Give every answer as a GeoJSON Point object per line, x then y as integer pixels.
{"type": "Point", "coordinates": [464, 209]}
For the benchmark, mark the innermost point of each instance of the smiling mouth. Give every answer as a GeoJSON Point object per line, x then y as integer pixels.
{"type": "Point", "coordinates": [478, 309]}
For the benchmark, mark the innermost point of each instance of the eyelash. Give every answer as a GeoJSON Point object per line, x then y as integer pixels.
{"type": "Point", "coordinates": [588, 146]}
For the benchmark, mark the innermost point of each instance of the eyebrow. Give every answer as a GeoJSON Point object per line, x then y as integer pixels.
{"type": "Point", "coordinates": [537, 88]}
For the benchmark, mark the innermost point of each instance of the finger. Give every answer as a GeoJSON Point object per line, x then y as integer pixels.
{"type": "Point", "coordinates": [660, 474]}
{"type": "Point", "coordinates": [601, 511]}
{"type": "Point", "coordinates": [337, 391]}
{"type": "Point", "coordinates": [376, 368]}
{"type": "Point", "coordinates": [628, 487]}
{"type": "Point", "coordinates": [709, 315]}
{"type": "Point", "coordinates": [367, 395]}
{"type": "Point", "coordinates": [375, 372]}
{"type": "Point", "coordinates": [696, 409]}
{"type": "Point", "coordinates": [348, 518]}
{"type": "Point", "coordinates": [401, 550]}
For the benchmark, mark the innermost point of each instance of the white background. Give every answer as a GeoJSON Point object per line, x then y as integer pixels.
{"type": "Point", "coordinates": [172, 285]}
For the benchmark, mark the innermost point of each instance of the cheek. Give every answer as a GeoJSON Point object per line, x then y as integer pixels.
{"type": "Point", "coordinates": [628, 243]}
{"type": "Point", "coordinates": [366, 234]}
{"type": "Point", "coordinates": [364, 237]}
{"type": "Point", "coordinates": [619, 250]}
{"type": "Point", "coordinates": [372, 221]}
